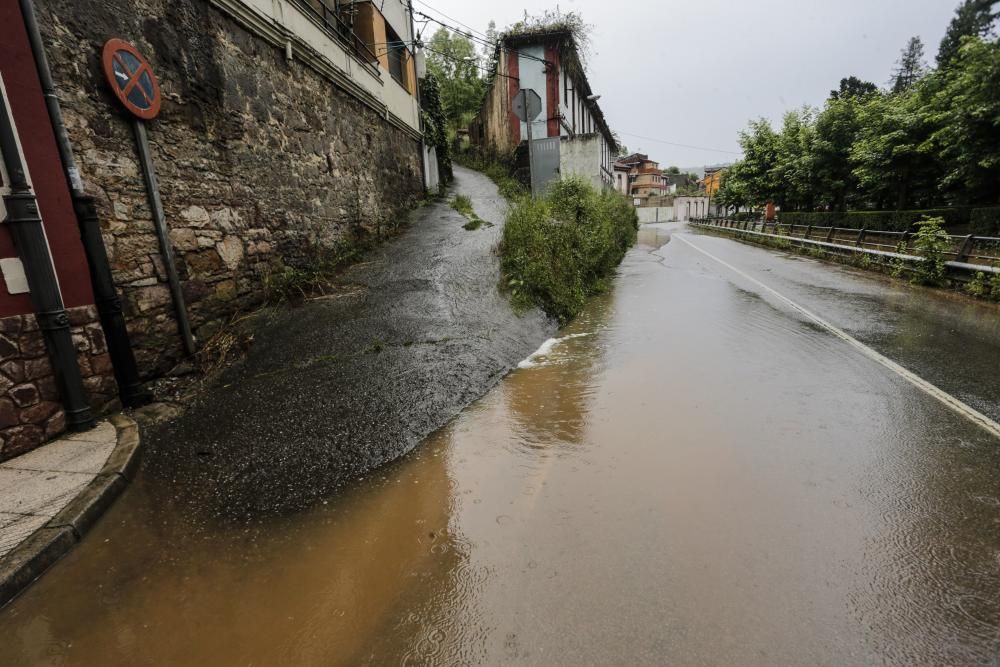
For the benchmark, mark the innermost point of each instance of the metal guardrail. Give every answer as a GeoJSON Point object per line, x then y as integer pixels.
{"type": "Point", "coordinates": [966, 253]}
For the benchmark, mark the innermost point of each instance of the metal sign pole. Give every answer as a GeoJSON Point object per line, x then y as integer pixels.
{"type": "Point", "coordinates": [160, 222]}
{"type": "Point", "coordinates": [531, 161]}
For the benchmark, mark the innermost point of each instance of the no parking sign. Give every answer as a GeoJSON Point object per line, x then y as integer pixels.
{"type": "Point", "coordinates": [131, 79]}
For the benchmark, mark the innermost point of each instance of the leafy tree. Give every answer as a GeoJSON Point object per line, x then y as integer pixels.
{"type": "Point", "coordinates": [892, 164]}
{"type": "Point", "coordinates": [964, 109]}
{"type": "Point", "coordinates": [973, 18]}
{"type": "Point", "coordinates": [852, 86]}
{"type": "Point", "coordinates": [837, 128]}
{"type": "Point", "coordinates": [452, 59]}
{"type": "Point", "coordinates": [672, 170]}
{"type": "Point", "coordinates": [794, 167]}
{"type": "Point", "coordinates": [910, 66]}
{"type": "Point", "coordinates": [760, 153]}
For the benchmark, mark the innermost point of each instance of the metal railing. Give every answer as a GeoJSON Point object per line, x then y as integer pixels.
{"type": "Point", "coordinates": [332, 20]}
{"type": "Point", "coordinates": [969, 252]}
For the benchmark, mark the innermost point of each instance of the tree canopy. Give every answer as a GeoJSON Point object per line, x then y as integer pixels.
{"type": "Point", "coordinates": [452, 59]}
{"type": "Point", "coordinates": [933, 139]}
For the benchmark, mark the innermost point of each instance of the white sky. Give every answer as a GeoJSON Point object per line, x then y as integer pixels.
{"type": "Point", "coordinates": [696, 71]}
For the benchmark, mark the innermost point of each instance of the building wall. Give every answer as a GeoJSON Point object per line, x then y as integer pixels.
{"type": "Point", "coordinates": [496, 129]}
{"type": "Point", "coordinates": [263, 162]}
{"type": "Point", "coordinates": [581, 156]}
{"type": "Point", "coordinates": [31, 409]}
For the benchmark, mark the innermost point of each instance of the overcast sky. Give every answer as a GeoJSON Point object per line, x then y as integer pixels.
{"type": "Point", "coordinates": [695, 71]}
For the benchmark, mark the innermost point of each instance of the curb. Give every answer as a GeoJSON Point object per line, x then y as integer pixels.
{"type": "Point", "coordinates": [30, 559]}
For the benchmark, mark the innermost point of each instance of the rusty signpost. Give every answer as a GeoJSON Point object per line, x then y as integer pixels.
{"type": "Point", "coordinates": [133, 82]}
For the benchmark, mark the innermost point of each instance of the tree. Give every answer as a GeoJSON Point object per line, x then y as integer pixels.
{"type": "Point", "coordinates": [760, 153]}
{"type": "Point", "coordinates": [490, 46]}
{"type": "Point", "coordinates": [852, 86]}
{"type": "Point", "coordinates": [910, 66]}
{"type": "Point", "coordinates": [795, 155]}
{"type": "Point", "coordinates": [973, 18]}
{"type": "Point", "coordinates": [964, 108]}
{"type": "Point", "coordinates": [891, 159]}
{"type": "Point", "coordinates": [837, 128]}
{"type": "Point", "coordinates": [452, 59]}
{"type": "Point", "coordinates": [672, 170]}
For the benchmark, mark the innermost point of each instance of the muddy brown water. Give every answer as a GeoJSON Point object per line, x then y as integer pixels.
{"type": "Point", "coordinates": [690, 474]}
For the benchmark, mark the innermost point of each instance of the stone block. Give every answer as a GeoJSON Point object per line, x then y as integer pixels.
{"type": "Point", "coordinates": [55, 425]}
{"type": "Point", "coordinates": [183, 238]}
{"type": "Point", "coordinates": [21, 439]}
{"type": "Point", "coordinates": [195, 216]}
{"type": "Point", "coordinates": [13, 370]}
{"type": "Point", "coordinates": [9, 348]}
{"type": "Point", "coordinates": [32, 345]}
{"type": "Point", "coordinates": [100, 364]}
{"type": "Point", "coordinates": [154, 296]}
{"type": "Point", "coordinates": [11, 325]}
{"type": "Point", "coordinates": [95, 334]}
{"type": "Point", "coordinates": [39, 413]}
{"type": "Point", "coordinates": [37, 368]}
{"type": "Point", "coordinates": [81, 343]}
{"type": "Point", "coordinates": [9, 414]}
{"type": "Point", "coordinates": [25, 395]}
{"type": "Point", "coordinates": [47, 389]}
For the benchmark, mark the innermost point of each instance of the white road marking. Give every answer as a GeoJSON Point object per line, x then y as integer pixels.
{"type": "Point", "coordinates": [958, 406]}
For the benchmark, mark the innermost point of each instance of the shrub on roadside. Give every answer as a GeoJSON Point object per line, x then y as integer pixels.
{"type": "Point", "coordinates": [930, 242]}
{"type": "Point", "coordinates": [557, 251]}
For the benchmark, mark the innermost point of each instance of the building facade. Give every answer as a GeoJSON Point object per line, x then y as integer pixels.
{"type": "Point", "coordinates": [571, 122]}
{"type": "Point", "coordinates": [45, 293]}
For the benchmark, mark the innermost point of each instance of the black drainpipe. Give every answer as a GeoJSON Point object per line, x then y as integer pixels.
{"type": "Point", "coordinates": [109, 305]}
{"type": "Point", "coordinates": [26, 227]}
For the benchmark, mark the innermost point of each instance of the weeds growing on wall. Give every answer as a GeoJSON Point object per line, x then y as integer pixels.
{"type": "Point", "coordinates": [557, 251]}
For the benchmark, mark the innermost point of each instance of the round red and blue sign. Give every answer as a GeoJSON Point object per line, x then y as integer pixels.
{"type": "Point", "coordinates": [131, 79]}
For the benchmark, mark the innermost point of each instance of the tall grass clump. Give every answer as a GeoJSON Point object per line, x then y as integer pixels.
{"type": "Point", "coordinates": [557, 251]}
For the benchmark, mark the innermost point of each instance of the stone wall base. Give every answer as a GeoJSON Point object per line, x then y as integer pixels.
{"type": "Point", "coordinates": [31, 411]}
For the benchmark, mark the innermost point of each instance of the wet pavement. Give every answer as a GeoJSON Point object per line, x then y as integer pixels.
{"type": "Point", "coordinates": [690, 473]}
{"type": "Point", "coordinates": [403, 341]}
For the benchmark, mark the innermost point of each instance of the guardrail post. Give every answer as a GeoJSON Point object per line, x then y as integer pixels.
{"type": "Point", "coordinates": [963, 252]}
{"type": "Point", "coordinates": [829, 235]}
{"type": "Point", "coordinates": [861, 237]}
{"type": "Point", "coordinates": [808, 230]}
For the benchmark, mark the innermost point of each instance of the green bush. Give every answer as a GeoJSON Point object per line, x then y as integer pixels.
{"type": "Point", "coordinates": [985, 221]}
{"type": "Point", "coordinates": [557, 251]}
{"type": "Point", "coordinates": [930, 243]}
{"type": "Point", "coordinates": [890, 221]}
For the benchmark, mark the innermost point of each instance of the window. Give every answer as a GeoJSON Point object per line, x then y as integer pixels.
{"type": "Point", "coordinates": [396, 52]}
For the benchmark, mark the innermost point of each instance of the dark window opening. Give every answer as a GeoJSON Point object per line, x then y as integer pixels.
{"type": "Point", "coordinates": [396, 52]}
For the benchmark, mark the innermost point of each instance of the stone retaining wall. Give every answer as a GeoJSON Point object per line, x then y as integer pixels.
{"type": "Point", "coordinates": [262, 162]}
{"type": "Point", "coordinates": [30, 407]}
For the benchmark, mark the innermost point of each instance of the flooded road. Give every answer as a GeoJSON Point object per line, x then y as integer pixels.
{"type": "Point", "coordinates": [692, 473]}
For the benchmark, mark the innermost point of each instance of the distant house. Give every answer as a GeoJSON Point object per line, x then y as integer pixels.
{"type": "Point", "coordinates": [571, 134]}
{"type": "Point", "coordinates": [712, 181]}
{"type": "Point", "coordinates": [644, 176]}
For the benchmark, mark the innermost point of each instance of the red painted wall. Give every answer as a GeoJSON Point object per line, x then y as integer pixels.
{"type": "Point", "coordinates": [38, 142]}
{"type": "Point", "coordinates": [552, 89]}
{"type": "Point", "coordinates": [513, 86]}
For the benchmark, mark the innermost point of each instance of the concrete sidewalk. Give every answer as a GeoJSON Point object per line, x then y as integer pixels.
{"type": "Point", "coordinates": [49, 497]}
